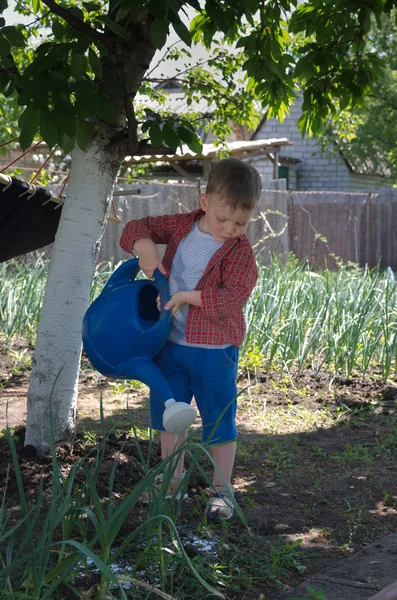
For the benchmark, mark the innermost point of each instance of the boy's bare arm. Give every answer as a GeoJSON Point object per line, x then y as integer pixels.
{"type": "Point", "coordinates": [180, 298]}
{"type": "Point", "coordinates": [149, 259]}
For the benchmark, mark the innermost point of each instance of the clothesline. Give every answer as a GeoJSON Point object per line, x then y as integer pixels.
{"type": "Point", "coordinates": [6, 180]}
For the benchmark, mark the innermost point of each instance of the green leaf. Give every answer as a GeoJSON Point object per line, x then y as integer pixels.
{"type": "Point", "coordinates": [2, 21]}
{"type": "Point", "coordinates": [185, 134]}
{"type": "Point", "coordinates": [156, 137]}
{"type": "Point", "coordinates": [4, 80]}
{"type": "Point", "coordinates": [122, 13]}
{"type": "Point", "coordinates": [217, 15]}
{"type": "Point", "coordinates": [30, 119]}
{"type": "Point", "coordinates": [105, 108]}
{"type": "Point", "coordinates": [158, 10]}
{"type": "Point", "coordinates": [59, 80]}
{"type": "Point", "coordinates": [83, 87]}
{"type": "Point", "coordinates": [114, 27]}
{"type": "Point", "coordinates": [195, 4]}
{"type": "Point", "coordinates": [48, 128]}
{"type": "Point", "coordinates": [77, 12]}
{"type": "Point", "coordinates": [83, 42]}
{"type": "Point", "coordinates": [14, 35]}
{"type": "Point", "coordinates": [151, 114]}
{"type": "Point", "coordinates": [78, 65]}
{"type": "Point", "coordinates": [158, 33]}
{"type": "Point", "coordinates": [182, 31]}
{"type": "Point", "coordinates": [144, 127]}
{"type": "Point", "coordinates": [58, 30]}
{"type": "Point", "coordinates": [36, 5]}
{"type": "Point", "coordinates": [84, 134]}
{"type": "Point", "coordinates": [85, 106]}
{"type": "Point", "coordinates": [170, 137]}
{"type": "Point", "coordinates": [65, 116]}
{"type": "Point", "coordinates": [67, 143]}
{"type": "Point", "coordinates": [9, 89]}
{"type": "Point", "coordinates": [92, 6]}
{"type": "Point", "coordinates": [95, 63]}
{"type": "Point", "coordinates": [196, 145]}
{"type": "Point", "coordinates": [344, 102]}
{"type": "Point", "coordinates": [5, 46]}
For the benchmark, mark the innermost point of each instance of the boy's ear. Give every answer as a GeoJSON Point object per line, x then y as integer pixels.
{"type": "Point", "coordinates": [203, 202]}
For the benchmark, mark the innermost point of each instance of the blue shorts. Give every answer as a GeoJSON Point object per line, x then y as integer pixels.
{"type": "Point", "coordinates": [207, 374]}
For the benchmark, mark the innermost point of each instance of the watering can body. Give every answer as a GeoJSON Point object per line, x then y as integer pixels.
{"type": "Point", "coordinates": [123, 329]}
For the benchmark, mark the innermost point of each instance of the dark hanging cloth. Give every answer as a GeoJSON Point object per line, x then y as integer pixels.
{"type": "Point", "coordinates": [26, 224]}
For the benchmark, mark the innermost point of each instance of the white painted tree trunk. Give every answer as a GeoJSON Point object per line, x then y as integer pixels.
{"type": "Point", "coordinates": [56, 361]}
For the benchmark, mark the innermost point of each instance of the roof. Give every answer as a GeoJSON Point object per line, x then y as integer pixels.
{"type": "Point", "coordinates": [361, 163]}
{"type": "Point", "coordinates": [210, 150]}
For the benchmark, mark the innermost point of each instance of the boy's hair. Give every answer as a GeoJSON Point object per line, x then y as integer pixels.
{"type": "Point", "coordinates": [237, 183]}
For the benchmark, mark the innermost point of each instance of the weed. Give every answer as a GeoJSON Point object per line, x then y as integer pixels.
{"type": "Point", "coordinates": [319, 453]}
{"type": "Point", "coordinates": [21, 361]}
{"type": "Point", "coordinates": [313, 594]}
{"type": "Point", "coordinates": [125, 386]}
{"type": "Point", "coordinates": [355, 453]}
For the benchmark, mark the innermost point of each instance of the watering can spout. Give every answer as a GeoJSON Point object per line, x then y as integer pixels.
{"type": "Point", "coordinates": [177, 416]}
{"type": "Point", "coordinates": [148, 373]}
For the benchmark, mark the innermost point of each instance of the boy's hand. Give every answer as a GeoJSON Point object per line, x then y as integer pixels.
{"type": "Point", "coordinates": [149, 259]}
{"type": "Point", "coordinates": [176, 302]}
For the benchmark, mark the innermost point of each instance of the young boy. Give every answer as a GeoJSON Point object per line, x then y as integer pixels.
{"type": "Point", "coordinates": [212, 272]}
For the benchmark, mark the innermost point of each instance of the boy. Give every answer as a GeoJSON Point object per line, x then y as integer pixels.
{"type": "Point", "coordinates": [212, 272]}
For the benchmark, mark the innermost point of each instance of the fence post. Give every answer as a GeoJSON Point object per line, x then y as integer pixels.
{"type": "Point", "coordinates": [291, 222]}
{"type": "Point", "coordinates": [369, 231]}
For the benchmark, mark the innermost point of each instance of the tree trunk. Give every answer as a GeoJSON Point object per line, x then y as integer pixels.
{"type": "Point", "coordinates": [56, 362]}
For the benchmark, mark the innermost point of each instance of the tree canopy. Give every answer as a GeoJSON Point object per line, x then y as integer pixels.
{"type": "Point", "coordinates": [367, 134]}
{"type": "Point", "coordinates": [75, 70]}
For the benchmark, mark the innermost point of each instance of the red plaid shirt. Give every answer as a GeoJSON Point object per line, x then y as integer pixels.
{"type": "Point", "coordinates": [225, 286]}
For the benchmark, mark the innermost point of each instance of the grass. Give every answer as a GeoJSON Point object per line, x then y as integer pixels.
{"type": "Point", "coordinates": [45, 545]}
{"type": "Point", "coordinates": [52, 544]}
{"type": "Point", "coordinates": [22, 293]}
{"type": "Point", "coordinates": [339, 321]}
{"type": "Point", "coordinates": [344, 321]}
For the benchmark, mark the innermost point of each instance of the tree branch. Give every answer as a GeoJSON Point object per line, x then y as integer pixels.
{"type": "Point", "coordinates": [69, 17]}
{"type": "Point", "coordinates": [161, 59]}
{"type": "Point", "coordinates": [122, 144]}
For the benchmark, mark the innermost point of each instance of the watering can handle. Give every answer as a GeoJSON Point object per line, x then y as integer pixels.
{"type": "Point", "coordinates": [126, 272]}
{"type": "Point", "coordinates": [129, 270]}
{"type": "Point", "coordinates": [162, 284]}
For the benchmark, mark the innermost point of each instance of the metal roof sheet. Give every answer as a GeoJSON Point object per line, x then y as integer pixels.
{"type": "Point", "coordinates": [210, 150]}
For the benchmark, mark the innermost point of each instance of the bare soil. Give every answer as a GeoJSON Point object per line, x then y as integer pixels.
{"type": "Point", "coordinates": [316, 460]}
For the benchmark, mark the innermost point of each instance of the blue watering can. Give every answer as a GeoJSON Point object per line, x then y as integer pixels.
{"type": "Point", "coordinates": [123, 330]}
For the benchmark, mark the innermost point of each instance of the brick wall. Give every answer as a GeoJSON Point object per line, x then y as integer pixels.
{"type": "Point", "coordinates": [318, 171]}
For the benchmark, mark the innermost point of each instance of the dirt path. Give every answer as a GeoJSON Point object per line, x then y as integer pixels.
{"type": "Point", "coordinates": [357, 578]}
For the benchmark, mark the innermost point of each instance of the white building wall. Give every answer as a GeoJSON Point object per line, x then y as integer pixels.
{"type": "Point", "coordinates": [317, 170]}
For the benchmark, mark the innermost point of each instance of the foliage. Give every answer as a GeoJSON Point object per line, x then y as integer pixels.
{"type": "Point", "coordinates": [45, 546]}
{"type": "Point", "coordinates": [74, 70]}
{"type": "Point", "coordinates": [342, 321]}
{"type": "Point", "coordinates": [366, 135]}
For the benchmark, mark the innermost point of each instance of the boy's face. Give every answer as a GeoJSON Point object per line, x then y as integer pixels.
{"type": "Point", "coordinates": [221, 220]}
